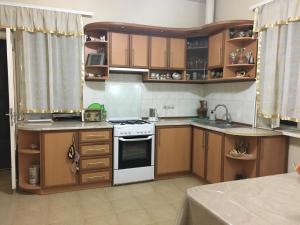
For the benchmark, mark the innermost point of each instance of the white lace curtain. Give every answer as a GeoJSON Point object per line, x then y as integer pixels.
{"type": "Point", "coordinates": [49, 58]}
{"type": "Point", "coordinates": [278, 24]}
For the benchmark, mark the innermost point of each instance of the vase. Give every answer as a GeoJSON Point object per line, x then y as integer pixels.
{"type": "Point", "coordinates": [202, 110]}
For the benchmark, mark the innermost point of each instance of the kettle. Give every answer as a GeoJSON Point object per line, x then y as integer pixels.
{"type": "Point", "coordinates": [153, 116]}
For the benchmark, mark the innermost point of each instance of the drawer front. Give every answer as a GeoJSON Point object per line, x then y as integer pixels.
{"type": "Point", "coordinates": [94, 150]}
{"type": "Point", "coordinates": [95, 177]}
{"type": "Point", "coordinates": [101, 163]}
{"type": "Point", "coordinates": [97, 135]}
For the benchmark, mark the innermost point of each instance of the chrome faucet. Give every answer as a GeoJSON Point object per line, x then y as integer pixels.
{"type": "Point", "coordinates": [228, 119]}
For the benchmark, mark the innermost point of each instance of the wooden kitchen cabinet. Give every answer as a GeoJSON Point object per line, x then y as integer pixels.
{"type": "Point", "coordinates": [273, 155]}
{"type": "Point", "coordinates": [216, 50]}
{"type": "Point", "coordinates": [119, 49]}
{"type": "Point", "coordinates": [173, 150]}
{"type": "Point", "coordinates": [56, 164]}
{"type": "Point", "coordinates": [198, 156]}
{"type": "Point", "coordinates": [158, 52]}
{"type": "Point", "coordinates": [215, 143]}
{"type": "Point", "coordinates": [139, 51]}
{"type": "Point", "coordinates": [177, 53]}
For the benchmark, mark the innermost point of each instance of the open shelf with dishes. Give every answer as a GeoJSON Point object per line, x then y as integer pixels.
{"type": "Point", "coordinates": [240, 157]}
{"type": "Point", "coordinates": [96, 56]}
{"type": "Point", "coordinates": [240, 52]}
{"type": "Point", "coordinates": [29, 160]}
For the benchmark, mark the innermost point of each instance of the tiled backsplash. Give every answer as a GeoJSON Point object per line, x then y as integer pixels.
{"type": "Point", "coordinates": [125, 95]}
{"type": "Point", "coordinates": [238, 97]}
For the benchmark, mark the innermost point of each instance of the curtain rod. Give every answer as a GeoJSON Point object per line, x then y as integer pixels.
{"type": "Point", "coordinates": [82, 13]}
{"type": "Point", "coordinates": [265, 2]}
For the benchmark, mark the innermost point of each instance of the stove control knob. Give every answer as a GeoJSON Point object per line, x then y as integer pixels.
{"type": "Point", "coordinates": [129, 132]}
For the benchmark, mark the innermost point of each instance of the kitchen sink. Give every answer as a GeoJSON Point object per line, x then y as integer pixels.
{"type": "Point", "coordinates": [217, 123]}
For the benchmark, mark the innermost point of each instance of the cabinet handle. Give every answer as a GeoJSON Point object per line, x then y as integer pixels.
{"type": "Point", "coordinates": [158, 137]}
{"type": "Point", "coordinates": [133, 53]}
{"type": "Point", "coordinates": [126, 56]}
{"type": "Point", "coordinates": [95, 150]}
{"type": "Point", "coordinates": [95, 135]}
{"type": "Point", "coordinates": [166, 59]}
{"type": "Point", "coordinates": [95, 163]}
{"type": "Point", "coordinates": [96, 177]}
{"type": "Point", "coordinates": [262, 151]}
{"type": "Point", "coordinates": [203, 141]}
{"type": "Point", "coordinates": [220, 55]}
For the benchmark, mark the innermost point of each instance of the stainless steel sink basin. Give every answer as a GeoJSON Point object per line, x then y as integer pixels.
{"type": "Point", "coordinates": [217, 123]}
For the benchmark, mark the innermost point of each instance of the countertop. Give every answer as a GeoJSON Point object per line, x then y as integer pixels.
{"type": "Point", "coordinates": [63, 126]}
{"type": "Point", "coordinates": [264, 200]}
{"type": "Point", "coordinates": [243, 131]}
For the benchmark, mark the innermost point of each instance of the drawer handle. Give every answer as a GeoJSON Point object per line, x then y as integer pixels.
{"type": "Point", "coordinates": [96, 150]}
{"type": "Point", "coordinates": [95, 163]}
{"type": "Point", "coordinates": [95, 136]}
{"type": "Point", "coordinates": [96, 177]}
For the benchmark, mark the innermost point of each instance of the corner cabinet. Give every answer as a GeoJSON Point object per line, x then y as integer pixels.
{"type": "Point", "coordinates": [173, 150]}
{"type": "Point", "coordinates": [56, 164]}
{"type": "Point", "coordinates": [57, 172]}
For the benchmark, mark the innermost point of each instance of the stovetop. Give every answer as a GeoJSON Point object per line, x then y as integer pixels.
{"type": "Point", "coordinates": [132, 128]}
{"type": "Point", "coordinates": [129, 122]}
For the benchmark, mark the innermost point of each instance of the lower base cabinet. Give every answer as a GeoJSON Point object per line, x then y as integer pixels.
{"type": "Point", "coordinates": [57, 166]}
{"type": "Point", "coordinates": [214, 157]}
{"type": "Point", "coordinates": [173, 150]}
{"type": "Point", "coordinates": [199, 152]}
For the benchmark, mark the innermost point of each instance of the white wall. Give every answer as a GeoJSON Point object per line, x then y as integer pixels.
{"type": "Point", "coordinates": [173, 13]}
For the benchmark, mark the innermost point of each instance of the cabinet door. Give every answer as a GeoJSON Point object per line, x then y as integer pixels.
{"type": "Point", "coordinates": [215, 50]}
{"type": "Point", "coordinates": [177, 53]}
{"type": "Point", "coordinates": [57, 166]}
{"type": "Point", "coordinates": [158, 52]}
{"type": "Point", "coordinates": [119, 49]}
{"type": "Point", "coordinates": [214, 157]}
{"type": "Point", "coordinates": [273, 155]}
{"type": "Point", "coordinates": [199, 152]}
{"type": "Point", "coordinates": [173, 152]}
{"type": "Point", "coordinates": [139, 51]}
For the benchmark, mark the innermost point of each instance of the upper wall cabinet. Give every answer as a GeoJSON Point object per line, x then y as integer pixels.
{"type": "Point", "coordinates": [215, 50]}
{"type": "Point", "coordinates": [139, 51]}
{"type": "Point", "coordinates": [119, 49]}
{"type": "Point", "coordinates": [177, 53]}
{"type": "Point", "coordinates": [158, 52]}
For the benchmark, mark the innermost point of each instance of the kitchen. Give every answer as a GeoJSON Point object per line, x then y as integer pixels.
{"type": "Point", "coordinates": [155, 83]}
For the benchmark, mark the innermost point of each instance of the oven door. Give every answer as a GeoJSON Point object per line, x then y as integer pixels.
{"type": "Point", "coordinates": [134, 152]}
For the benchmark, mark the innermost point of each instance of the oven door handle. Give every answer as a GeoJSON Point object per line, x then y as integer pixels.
{"type": "Point", "coordinates": [135, 139]}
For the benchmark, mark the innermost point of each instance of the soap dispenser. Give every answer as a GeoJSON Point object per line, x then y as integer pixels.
{"type": "Point", "coordinates": [212, 115]}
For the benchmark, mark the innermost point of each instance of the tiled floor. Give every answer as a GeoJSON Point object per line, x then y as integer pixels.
{"type": "Point", "coordinates": [151, 203]}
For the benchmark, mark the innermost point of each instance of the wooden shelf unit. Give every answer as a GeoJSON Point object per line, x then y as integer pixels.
{"type": "Point", "coordinates": [92, 47]}
{"type": "Point", "coordinates": [242, 39]}
{"type": "Point", "coordinates": [245, 157]}
{"type": "Point", "coordinates": [28, 157]}
{"type": "Point", "coordinates": [238, 165]}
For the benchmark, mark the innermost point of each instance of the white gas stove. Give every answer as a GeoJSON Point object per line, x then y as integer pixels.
{"type": "Point", "coordinates": [134, 142]}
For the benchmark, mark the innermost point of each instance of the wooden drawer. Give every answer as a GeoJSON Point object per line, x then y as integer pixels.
{"type": "Point", "coordinates": [95, 177]}
{"type": "Point", "coordinates": [95, 135]}
{"type": "Point", "coordinates": [94, 150]}
{"type": "Point", "coordinates": [99, 163]}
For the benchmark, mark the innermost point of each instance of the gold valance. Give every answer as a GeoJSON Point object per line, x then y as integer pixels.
{"type": "Point", "coordinates": [276, 13]}
{"type": "Point", "coordinates": [39, 20]}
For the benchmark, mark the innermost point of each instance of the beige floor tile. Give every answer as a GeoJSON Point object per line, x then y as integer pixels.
{"type": "Point", "coordinates": [184, 183]}
{"type": "Point", "coordinates": [151, 200]}
{"type": "Point", "coordinates": [116, 193]}
{"type": "Point", "coordinates": [108, 219]}
{"type": "Point", "coordinates": [57, 215]}
{"type": "Point", "coordinates": [166, 222]}
{"type": "Point", "coordinates": [24, 218]}
{"type": "Point", "coordinates": [77, 221]}
{"type": "Point", "coordinates": [63, 200]}
{"type": "Point", "coordinates": [141, 189]}
{"type": "Point", "coordinates": [134, 217]}
{"type": "Point", "coordinates": [162, 213]}
{"type": "Point", "coordinates": [95, 209]}
{"type": "Point", "coordinates": [125, 204]}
